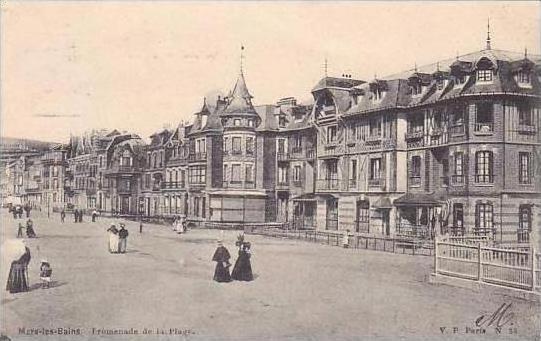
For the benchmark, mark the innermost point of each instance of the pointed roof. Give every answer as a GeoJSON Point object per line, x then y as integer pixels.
{"type": "Point", "coordinates": [241, 100]}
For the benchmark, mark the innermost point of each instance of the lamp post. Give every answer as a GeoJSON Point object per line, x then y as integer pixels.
{"type": "Point", "coordinates": [48, 211]}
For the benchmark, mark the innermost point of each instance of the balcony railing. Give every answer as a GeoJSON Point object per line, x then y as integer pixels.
{"type": "Point", "coordinates": [484, 128]}
{"type": "Point", "coordinates": [373, 138]}
{"type": "Point", "coordinates": [238, 184]}
{"type": "Point", "coordinates": [457, 179]}
{"type": "Point", "coordinates": [197, 156]}
{"type": "Point", "coordinates": [376, 182]}
{"type": "Point", "coordinates": [484, 178]}
{"type": "Point", "coordinates": [458, 129]}
{"type": "Point", "coordinates": [482, 231]}
{"type": "Point", "coordinates": [437, 131]}
{"type": "Point", "coordinates": [281, 156]}
{"type": "Point", "coordinates": [328, 184]}
{"type": "Point", "coordinates": [414, 135]}
{"type": "Point", "coordinates": [172, 184]}
{"type": "Point", "coordinates": [415, 180]}
{"type": "Point", "coordinates": [527, 129]}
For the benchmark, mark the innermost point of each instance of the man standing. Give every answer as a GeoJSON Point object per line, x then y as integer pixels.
{"type": "Point", "coordinates": [123, 236]}
{"type": "Point", "coordinates": [62, 215]}
{"type": "Point", "coordinates": [94, 215]}
{"type": "Point", "coordinates": [75, 215]}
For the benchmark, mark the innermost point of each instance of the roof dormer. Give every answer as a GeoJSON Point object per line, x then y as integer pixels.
{"type": "Point", "coordinates": [419, 82]}
{"type": "Point", "coordinates": [378, 89]}
{"type": "Point", "coordinates": [441, 78]}
{"type": "Point", "coordinates": [523, 71]}
{"type": "Point", "coordinates": [485, 69]}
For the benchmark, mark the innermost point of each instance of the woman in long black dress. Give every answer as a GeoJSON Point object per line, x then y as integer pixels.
{"type": "Point", "coordinates": [18, 274]}
{"type": "Point", "coordinates": [30, 233]}
{"type": "Point", "coordinates": [221, 257]}
{"type": "Point", "coordinates": [243, 269]}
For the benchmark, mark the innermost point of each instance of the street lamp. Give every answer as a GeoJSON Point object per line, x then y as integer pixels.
{"type": "Point", "coordinates": [48, 211]}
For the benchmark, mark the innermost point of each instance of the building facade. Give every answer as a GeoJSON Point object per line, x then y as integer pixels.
{"type": "Point", "coordinates": [451, 147]}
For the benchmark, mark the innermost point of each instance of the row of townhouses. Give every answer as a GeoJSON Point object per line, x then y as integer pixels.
{"type": "Point", "coordinates": [451, 147]}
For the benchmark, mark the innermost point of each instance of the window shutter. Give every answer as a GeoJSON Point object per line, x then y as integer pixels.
{"type": "Point", "coordinates": [477, 215]}
{"type": "Point", "coordinates": [490, 164]}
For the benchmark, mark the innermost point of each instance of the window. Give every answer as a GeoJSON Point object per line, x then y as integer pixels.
{"type": "Point", "coordinates": [196, 206]}
{"type": "Point", "coordinates": [459, 167]}
{"type": "Point", "coordinates": [147, 180]}
{"type": "Point", "coordinates": [236, 122]}
{"type": "Point", "coordinates": [484, 75]}
{"type": "Point", "coordinates": [416, 123]}
{"type": "Point", "coordinates": [378, 95]}
{"type": "Point", "coordinates": [198, 174]}
{"type": "Point", "coordinates": [525, 115]}
{"type": "Point", "coordinates": [237, 145]}
{"type": "Point", "coordinates": [225, 173]}
{"type": "Point", "coordinates": [524, 163]}
{"type": "Point", "coordinates": [235, 173]}
{"type": "Point", "coordinates": [281, 146]}
{"type": "Point", "coordinates": [55, 183]}
{"type": "Point", "coordinates": [101, 161]}
{"type": "Point", "coordinates": [203, 207]}
{"type": "Point", "coordinates": [484, 118]}
{"type": "Point", "coordinates": [461, 79]}
{"type": "Point", "coordinates": [250, 145]}
{"type": "Point", "coordinates": [353, 170]}
{"type": "Point", "coordinates": [282, 122]}
{"type": "Point", "coordinates": [415, 172]}
{"type": "Point", "coordinates": [297, 142]}
{"type": "Point", "coordinates": [483, 167]}
{"type": "Point", "coordinates": [523, 77]}
{"type": "Point", "coordinates": [524, 223]}
{"type": "Point", "coordinates": [249, 174]}
{"type": "Point", "coordinates": [226, 145]}
{"type": "Point", "coordinates": [458, 216]}
{"type": "Point", "coordinates": [483, 218]}
{"type": "Point", "coordinates": [250, 123]}
{"type": "Point", "coordinates": [282, 175]}
{"type": "Point", "coordinates": [440, 84]}
{"type": "Point", "coordinates": [375, 126]}
{"type": "Point", "coordinates": [416, 89]}
{"type": "Point", "coordinates": [297, 173]}
{"type": "Point", "coordinates": [331, 134]}
{"type": "Point", "coordinates": [457, 126]}
{"type": "Point", "coordinates": [375, 169]}
{"type": "Point", "coordinates": [55, 171]}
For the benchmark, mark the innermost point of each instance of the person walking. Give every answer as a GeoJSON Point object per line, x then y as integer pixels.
{"type": "Point", "coordinates": [20, 231]}
{"type": "Point", "coordinates": [221, 257]}
{"type": "Point", "coordinates": [62, 215]}
{"type": "Point", "coordinates": [113, 239]}
{"type": "Point", "coordinates": [75, 215]}
{"type": "Point", "coordinates": [94, 215]}
{"type": "Point", "coordinates": [242, 271]}
{"type": "Point", "coordinates": [123, 238]}
{"type": "Point", "coordinates": [81, 215]}
{"type": "Point", "coordinates": [18, 272]}
{"type": "Point", "coordinates": [30, 233]}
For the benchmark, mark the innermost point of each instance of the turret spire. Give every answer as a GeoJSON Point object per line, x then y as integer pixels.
{"type": "Point", "coordinates": [488, 34]}
{"type": "Point", "coordinates": [241, 58]}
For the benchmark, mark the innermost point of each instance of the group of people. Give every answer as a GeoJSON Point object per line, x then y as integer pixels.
{"type": "Point", "coordinates": [242, 271]}
{"type": "Point", "coordinates": [77, 215]}
{"type": "Point", "coordinates": [118, 238]}
{"type": "Point", "coordinates": [17, 279]}
{"type": "Point", "coordinates": [17, 211]}
{"type": "Point", "coordinates": [30, 233]}
{"type": "Point", "coordinates": [179, 225]}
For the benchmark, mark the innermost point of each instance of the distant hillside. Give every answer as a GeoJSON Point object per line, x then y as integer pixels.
{"type": "Point", "coordinates": [11, 143]}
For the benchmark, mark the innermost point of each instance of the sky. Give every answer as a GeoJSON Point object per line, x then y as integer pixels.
{"type": "Point", "coordinates": [67, 67]}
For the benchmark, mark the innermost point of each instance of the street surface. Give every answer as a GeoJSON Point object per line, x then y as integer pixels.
{"type": "Point", "coordinates": [301, 289]}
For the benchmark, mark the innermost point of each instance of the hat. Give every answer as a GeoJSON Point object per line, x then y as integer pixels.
{"type": "Point", "coordinates": [122, 225]}
{"type": "Point", "coordinates": [43, 260]}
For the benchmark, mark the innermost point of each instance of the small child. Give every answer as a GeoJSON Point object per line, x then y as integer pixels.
{"type": "Point", "coordinates": [45, 272]}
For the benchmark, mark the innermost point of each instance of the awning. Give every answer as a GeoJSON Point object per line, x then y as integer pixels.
{"type": "Point", "coordinates": [243, 193]}
{"type": "Point", "coordinates": [382, 203]}
{"type": "Point", "coordinates": [417, 199]}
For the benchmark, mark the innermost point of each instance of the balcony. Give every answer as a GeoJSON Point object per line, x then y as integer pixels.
{"type": "Point", "coordinates": [282, 156]}
{"type": "Point", "coordinates": [415, 180]}
{"type": "Point", "coordinates": [172, 185]}
{"type": "Point", "coordinates": [526, 129]}
{"type": "Point", "coordinates": [328, 184]}
{"type": "Point", "coordinates": [122, 169]}
{"type": "Point", "coordinates": [282, 184]}
{"type": "Point", "coordinates": [457, 179]}
{"type": "Point", "coordinates": [483, 128]}
{"type": "Point", "coordinates": [197, 156]}
{"type": "Point", "coordinates": [238, 184]}
{"type": "Point", "coordinates": [484, 179]}
{"type": "Point", "coordinates": [414, 135]}
{"type": "Point", "coordinates": [457, 130]}
{"type": "Point", "coordinates": [376, 138]}
{"type": "Point", "coordinates": [482, 231]}
{"type": "Point", "coordinates": [376, 182]}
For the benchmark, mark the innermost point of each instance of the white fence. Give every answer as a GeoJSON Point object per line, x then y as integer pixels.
{"type": "Point", "coordinates": [477, 261]}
